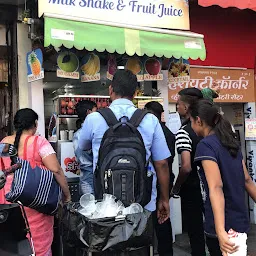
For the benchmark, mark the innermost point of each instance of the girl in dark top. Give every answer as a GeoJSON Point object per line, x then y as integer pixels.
{"type": "Point", "coordinates": [187, 184]}
{"type": "Point", "coordinates": [224, 179]}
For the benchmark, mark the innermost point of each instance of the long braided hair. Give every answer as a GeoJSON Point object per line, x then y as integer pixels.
{"type": "Point", "coordinates": [24, 119]}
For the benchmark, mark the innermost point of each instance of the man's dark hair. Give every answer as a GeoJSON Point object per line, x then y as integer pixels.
{"type": "Point", "coordinates": [124, 83]}
{"type": "Point", "coordinates": [156, 108]}
{"type": "Point", "coordinates": [190, 95]}
{"type": "Point", "coordinates": [82, 108]}
{"type": "Point", "coordinates": [191, 92]}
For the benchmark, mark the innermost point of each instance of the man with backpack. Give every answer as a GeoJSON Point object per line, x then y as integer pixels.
{"type": "Point", "coordinates": [123, 140]}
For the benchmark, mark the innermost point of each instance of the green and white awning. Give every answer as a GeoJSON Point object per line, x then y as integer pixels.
{"type": "Point", "coordinates": [150, 42]}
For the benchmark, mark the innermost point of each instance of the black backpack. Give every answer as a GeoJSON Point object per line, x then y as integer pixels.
{"type": "Point", "coordinates": [122, 168]}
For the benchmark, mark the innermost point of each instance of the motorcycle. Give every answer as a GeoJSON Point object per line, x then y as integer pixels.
{"type": "Point", "coordinates": [15, 235]}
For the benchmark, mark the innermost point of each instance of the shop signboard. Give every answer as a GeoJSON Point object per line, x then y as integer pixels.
{"type": "Point", "coordinates": [90, 67]}
{"type": "Point", "coordinates": [152, 69]}
{"type": "Point", "coordinates": [35, 69]}
{"type": "Point", "coordinates": [250, 129]}
{"type": "Point", "coordinates": [142, 103]}
{"type": "Point", "coordinates": [170, 14]}
{"type": "Point", "coordinates": [68, 65]}
{"type": "Point", "coordinates": [68, 160]}
{"type": "Point", "coordinates": [236, 86]}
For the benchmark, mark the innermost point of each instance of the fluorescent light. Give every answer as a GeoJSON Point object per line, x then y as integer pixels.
{"type": "Point", "coordinates": [120, 67]}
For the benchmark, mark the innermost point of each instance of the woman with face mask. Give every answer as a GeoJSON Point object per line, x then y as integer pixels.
{"type": "Point", "coordinates": [224, 179]}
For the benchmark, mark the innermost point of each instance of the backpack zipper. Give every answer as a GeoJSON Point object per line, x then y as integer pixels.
{"type": "Point", "coordinates": [108, 174]}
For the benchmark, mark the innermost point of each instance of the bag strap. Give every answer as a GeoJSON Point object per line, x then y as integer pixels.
{"type": "Point", "coordinates": [109, 116]}
{"type": "Point", "coordinates": [138, 116]}
{"type": "Point", "coordinates": [35, 147]}
{"type": "Point", "coordinates": [2, 164]}
{"type": "Point", "coordinates": [25, 148]}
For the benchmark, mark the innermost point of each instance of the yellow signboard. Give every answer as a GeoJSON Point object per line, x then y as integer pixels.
{"type": "Point", "coordinates": [142, 103]}
{"type": "Point", "coordinates": [170, 14]}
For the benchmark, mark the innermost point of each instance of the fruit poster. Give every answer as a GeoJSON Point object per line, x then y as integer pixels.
{"type": "Point", "coordinates": [68, 65]}
{"type": "Point", "coordinates": [152, 69]}
{"type": "Point", "coordinates": [35, 69]}
{"type": "Point", "coordinates": [250, 129]}
{"type": "Point", "coordinates": [68, 160]}
{"type": "Point", "coordinates": [179, 71]}
{"type": "Point", "coordinates": [90, 67]}
{"type": "Point", "coordinates": [112, 67]}
{"type": "Point", "coordinates": [135, 65]}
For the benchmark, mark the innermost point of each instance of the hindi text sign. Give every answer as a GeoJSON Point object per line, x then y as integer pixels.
{"type": "Point", "coordinates": [235, 85]}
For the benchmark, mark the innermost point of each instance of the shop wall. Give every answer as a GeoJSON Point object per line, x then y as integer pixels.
{"type": "Point", "coordinates": [230, 36]}
{"type": "Point", "coordinates": [24, 46]}
{"type": "Point", "coordinates": [175, 205]}
{"type": "Point", "coordinates": [2, 35]}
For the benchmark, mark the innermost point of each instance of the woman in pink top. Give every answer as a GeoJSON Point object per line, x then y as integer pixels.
{"type": "Point", "coordinates": [41, 225]}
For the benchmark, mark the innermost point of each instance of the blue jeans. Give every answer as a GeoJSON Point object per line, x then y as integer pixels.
{"type": "Point", "coordinates": [86, 182]}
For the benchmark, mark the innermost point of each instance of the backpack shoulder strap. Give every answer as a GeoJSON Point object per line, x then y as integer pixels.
{"type": "Point", "coordinates": [109, 116]}
{"type": "Point", "coordinates": [137, 117]}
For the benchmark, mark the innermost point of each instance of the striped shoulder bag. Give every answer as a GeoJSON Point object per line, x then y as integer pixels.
{"type": "Point", "coordinates": [34, 186]}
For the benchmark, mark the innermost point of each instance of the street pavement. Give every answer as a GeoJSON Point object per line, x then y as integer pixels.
{"type": "Point", "coordinates": [182, 247]}
{"type": "Point", "coordinates": [179, 252]}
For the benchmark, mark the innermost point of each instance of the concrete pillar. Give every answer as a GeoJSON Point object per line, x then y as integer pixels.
{"type": "Point", "coordinates": [30, 94]}
{"type": "Point", "coordinates": [175, 204]}
{"type": "Point", "coordinates": [23, 46]}
{"type": "Point", "coordinates": [36, 98]}
{"type": "Point", "coordinates": [250, 112]}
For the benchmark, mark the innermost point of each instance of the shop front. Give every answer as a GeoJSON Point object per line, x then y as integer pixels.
{"type": "Point", "coordinates": [235, 102]}
{"type": "Point", "coordinates": [85, 42]}
{"type": "Point", "coordinates": [85, 53]}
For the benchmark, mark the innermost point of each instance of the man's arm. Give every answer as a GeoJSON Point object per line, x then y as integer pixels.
{"type": "Point", "coordinates": [184, 148]}
{"type": "Point", "coordinates": [163, 208]}
{"type": "Point", "coordinates": [160, 154]}
{"type": "Point", "coordinates": [184, 171]}
{"type": "Point", "coordinates": [162, 171]}
{"type": "Point", "coordinates": [249, 184]}
{"type": "Point", "coordinates": [213, 177]}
